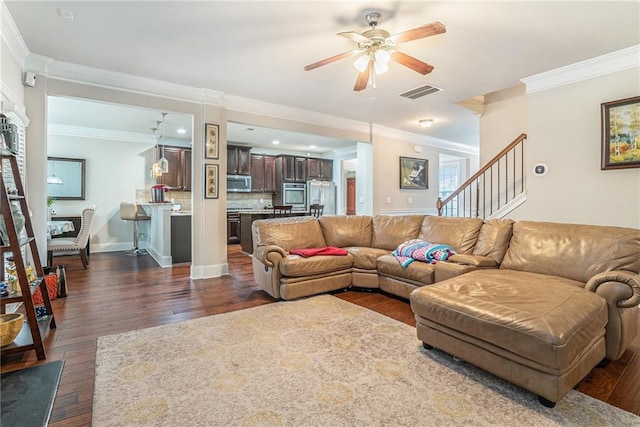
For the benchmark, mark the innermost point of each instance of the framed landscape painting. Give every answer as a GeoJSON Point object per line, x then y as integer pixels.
{"type": "Point", "coordinates": [414, 173]}
{"type": "Point", "coordinates": [621, 134]}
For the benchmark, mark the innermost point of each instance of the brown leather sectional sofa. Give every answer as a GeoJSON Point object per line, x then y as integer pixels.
{"type": "Point", "coordinates": [539, 304]}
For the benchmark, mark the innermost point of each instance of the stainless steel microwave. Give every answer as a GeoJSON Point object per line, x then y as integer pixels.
{"type": "Point", "coordinates": [238, 183]}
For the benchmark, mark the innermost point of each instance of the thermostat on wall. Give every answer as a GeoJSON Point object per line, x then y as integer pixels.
{"type": "Point", "coordinates": [540, 169]}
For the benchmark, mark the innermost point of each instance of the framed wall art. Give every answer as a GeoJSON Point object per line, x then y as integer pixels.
{"type": "Point", "coordinates": [414, 173]}
{"type": "Point", "coordinates": [211, 181]}
{"type": "Point", "coordinates": [211, 132]}
{"type": "Point", "coordinates": [621, 134]}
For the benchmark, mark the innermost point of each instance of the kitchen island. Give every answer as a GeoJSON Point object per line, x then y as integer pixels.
{"type": "Point", "coordinates": [246, 219]}
{"type": "Point", "coordinates": [169, 234]}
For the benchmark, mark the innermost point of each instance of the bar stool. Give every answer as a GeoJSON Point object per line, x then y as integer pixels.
{"type": "Point", "coordinates": [132, 212]}
{"type": "Point", "coordinates": [282, 210]}
{"type": "Point", "coordinates": [316, 210]}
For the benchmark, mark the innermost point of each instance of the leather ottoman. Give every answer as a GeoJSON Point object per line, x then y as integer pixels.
{"type": "Point", "coordinates": [543, 333]}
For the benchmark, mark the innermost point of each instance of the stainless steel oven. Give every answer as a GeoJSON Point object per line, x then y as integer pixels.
{"type": "Point", "coordinates": [295, 195]}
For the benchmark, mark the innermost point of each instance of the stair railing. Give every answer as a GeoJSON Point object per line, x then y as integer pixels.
{"type": "Point", "coordinates": [497, 183]}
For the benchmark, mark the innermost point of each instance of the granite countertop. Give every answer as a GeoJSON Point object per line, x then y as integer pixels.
{"type": "Point", "coordinates": [181, 213]}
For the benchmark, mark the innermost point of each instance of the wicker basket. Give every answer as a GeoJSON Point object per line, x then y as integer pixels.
{"type": "Point", "coordinates": [10, 326]}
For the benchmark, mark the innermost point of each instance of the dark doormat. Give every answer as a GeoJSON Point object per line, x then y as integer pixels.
{"type": "Point", "coordinates": [27, 395]}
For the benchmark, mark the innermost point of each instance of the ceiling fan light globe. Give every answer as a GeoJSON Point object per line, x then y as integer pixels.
{"type": "Point", "coordinates": [382, 56]}
{"type": "Point", "coordinates": [380, 68]}
{"type": "Point", "coordinates": [361, 63]}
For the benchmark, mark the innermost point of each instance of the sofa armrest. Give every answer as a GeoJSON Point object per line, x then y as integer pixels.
{"type": "Point", "coordinates": [477, 261]}
{"type": "Point", "coordinates": [619, 288]}
{"type": "Point", "coordinates": [444, 270]}
{"type": "Point", "coordinates": [269, 255]}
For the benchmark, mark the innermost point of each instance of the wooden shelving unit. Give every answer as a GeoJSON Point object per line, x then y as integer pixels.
{"type": "Point", "coordinates": [33, 331]}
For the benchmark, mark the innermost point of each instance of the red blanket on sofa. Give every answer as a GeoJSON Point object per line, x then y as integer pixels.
{"type": "Point", "coordinates": [329, 250]}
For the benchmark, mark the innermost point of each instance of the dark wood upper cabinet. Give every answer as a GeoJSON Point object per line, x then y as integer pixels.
{"type": "Point", "coordinates": [179, 176]}
{"type": "Point", "coordinates": [238, 160]}
{"type": "Point", "coordinates": [263, 173]}
{"type": "Point", "coordinates": [320, 169]}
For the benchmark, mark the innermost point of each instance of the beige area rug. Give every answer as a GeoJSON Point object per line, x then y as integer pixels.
{"type": "Point", "coordinates": [314, 362]}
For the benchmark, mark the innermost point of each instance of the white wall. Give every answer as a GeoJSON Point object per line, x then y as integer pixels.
{"type": "Point", "coordinates": [386, 182]}
{"type": "Point", "coordinates": [563, 126]}
{"type": "Point", "coordinates": [111, 177]}
{"type": "Point", "coordinates": [503, 120]}
{"type": "Point", "coordinates": [565, 133]}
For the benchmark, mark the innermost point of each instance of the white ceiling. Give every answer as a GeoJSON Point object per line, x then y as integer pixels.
{"type": "Point", "coordinates": [258, 49]}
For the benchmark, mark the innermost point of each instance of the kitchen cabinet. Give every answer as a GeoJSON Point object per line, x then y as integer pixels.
{"type": "Point", "coordinates": [291, 169]}
{"type": "Point", "coordinates": [180, 238]}
{"type": "Point", "coordinates": [233, 228]}
{"type": "Point", "coordinates": [320, 169]}
{"type": "Point", "coordinates": [179, 176]}
{"type": "Point", "coordinates": [238, 160]}
{"type": "Point", "coordinates": [263, 173]}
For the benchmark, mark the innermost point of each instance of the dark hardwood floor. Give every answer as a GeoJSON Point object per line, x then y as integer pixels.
{"type": "Point", "coordinates": [119, 293]}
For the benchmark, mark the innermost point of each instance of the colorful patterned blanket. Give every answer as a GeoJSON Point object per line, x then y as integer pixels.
{"type": "Point", "coordinates": [419, 250]}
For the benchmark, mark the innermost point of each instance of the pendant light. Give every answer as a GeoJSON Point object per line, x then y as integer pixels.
{"type": "Point", "coordinates": [156, 172]}
{"type": "Point", "coordinates": [53, 179]}
{"type": "Point", "coordinates": [163, 163]}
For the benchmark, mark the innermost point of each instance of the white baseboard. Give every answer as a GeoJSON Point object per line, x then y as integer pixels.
{"type": "Point", "coordinates": [422, 211]}
{"type": "Point", "coordinates": [506, 209]}
{"type": "Point", "coordinates": [163, 261]}
{"type": "Point", "coordinates": [209, 271]}
{"type": "Point", "coordinates": [113, 247]}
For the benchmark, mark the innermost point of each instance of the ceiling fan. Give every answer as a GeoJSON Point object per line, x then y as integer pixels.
{"type": "Point", "coordinates": [379, 47]}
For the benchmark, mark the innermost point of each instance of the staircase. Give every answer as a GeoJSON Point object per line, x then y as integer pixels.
{"type": "Point", "coordinates": [495, 190]}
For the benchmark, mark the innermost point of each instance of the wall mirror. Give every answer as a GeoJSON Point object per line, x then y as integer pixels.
{"type": "Point", "coordinates": [66, 178]}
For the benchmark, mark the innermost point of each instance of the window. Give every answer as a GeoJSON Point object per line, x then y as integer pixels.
{"type": "Point", "coordinates": [449, 181]}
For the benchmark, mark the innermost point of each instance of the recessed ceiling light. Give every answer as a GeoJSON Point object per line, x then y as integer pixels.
{"type": "Point", "coordinates": [181, 131]}
{"type": "Point", "coordinates": [275, 142]}
{"type": "Point", "coordinates": [426, 123]}
{"type": "Point", "coordinates": [312, 146]}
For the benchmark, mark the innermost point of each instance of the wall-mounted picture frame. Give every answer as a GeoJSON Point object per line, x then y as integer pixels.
{"type": "Point", "coordinates": [211, 132]}
{"type": "Point", "coordinates": [211, 181]}
{"type": "Point", "coordinates": [414, 173]}
{"type": "Point", "coordinates": [621, 134]}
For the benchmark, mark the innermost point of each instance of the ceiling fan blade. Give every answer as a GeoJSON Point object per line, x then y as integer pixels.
{"type": "Point", "coordinates": [331, 59]}
{"type": "Point", "coordinates": [362, 80]}
{"type": "Point", "coordinates": [356, 37]}
{"type": "Point", "coordinates": [418, 33]}
{"type": "Point", "coordinates": [411, 62]}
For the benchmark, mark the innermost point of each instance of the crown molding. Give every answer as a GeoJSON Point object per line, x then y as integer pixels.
{"type": "Point", "coordinates": [424, 140]}
{"type": "Point", "coordinates": [11, 36]}
{"type": "Point", "coordinates": [595, 67]}
{"type": "Point", "coordinates": [253, 106]}
{"type": "Point", "coordinates": [66, 71]}
{"type": "Point", "coordinates": [112, 135]}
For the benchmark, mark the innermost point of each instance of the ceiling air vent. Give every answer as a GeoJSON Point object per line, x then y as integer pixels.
{"type": "Point", "coordinates": [420, 91]}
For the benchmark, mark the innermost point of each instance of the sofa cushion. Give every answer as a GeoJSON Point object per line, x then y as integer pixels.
{"type": "Point", "coordinates": [390, 231]}
{"type": "Point", "coordinates": [549, 323]}
{"type": "Point", "coordinates": [576, 252]}
{"type": "Point", "coordinates": [365, 258]}
{"type": "Point", "coordinates": [493, 239]}
{"type": "Point", "coordinates": [350, 230]}
{"type": "Point", "coordinates": [297, 266]}
{"type": "Point", "coordinates": [288, 233]}
{"type": "Point", "coordinates": [460, 233]}
{"type": "Point", "coordinates": [419, 272]}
